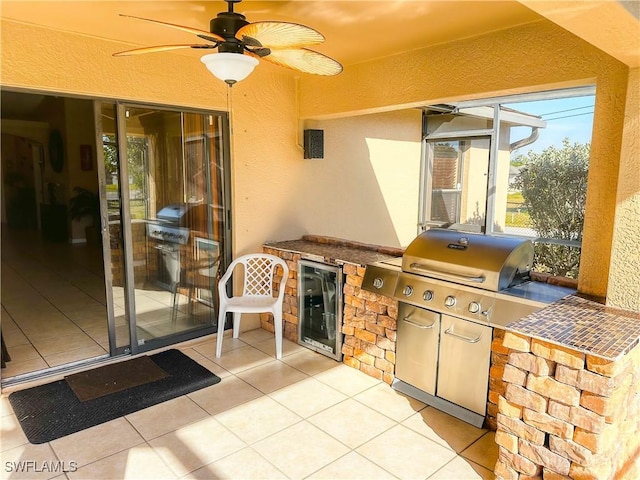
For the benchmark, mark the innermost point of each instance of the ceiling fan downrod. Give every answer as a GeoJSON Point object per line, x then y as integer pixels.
{"type": "Point", "coordinates": [230, 5]}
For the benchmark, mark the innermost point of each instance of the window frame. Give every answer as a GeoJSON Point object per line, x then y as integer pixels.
{"type": "Point", "coordinates": [426, 188]}
{"type": "Point", "coordinates": [426, 166]}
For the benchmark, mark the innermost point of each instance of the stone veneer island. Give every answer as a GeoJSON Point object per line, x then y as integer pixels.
{"type": "Point", "coordinates": [570, 402]}
{"type": "Point", "coordinates": [564, 383]}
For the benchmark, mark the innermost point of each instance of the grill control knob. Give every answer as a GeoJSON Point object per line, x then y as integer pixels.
{"type": "Point", "coordinates": [474, 307]}
{"type": "Point", "coordinates": [407, 291]}
{"type": "Point", "coordinates": [450, 301]}
{"type": "Point", "coordinates": [428, 295]}
{"type": "Point", "coordinates": [378, 282]}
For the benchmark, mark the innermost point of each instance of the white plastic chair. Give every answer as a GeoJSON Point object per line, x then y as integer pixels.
{"type": "Point", "coordinates": [257, 294]}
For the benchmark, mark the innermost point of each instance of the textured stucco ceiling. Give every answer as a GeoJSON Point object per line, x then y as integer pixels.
{"type": "Point", "coordinates": [355, 31]}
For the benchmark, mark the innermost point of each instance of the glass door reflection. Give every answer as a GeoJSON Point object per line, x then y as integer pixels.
{"type": "Point", "coordinates": [175, 210]}
{"type": "Point", "coordinates": [166, 222]}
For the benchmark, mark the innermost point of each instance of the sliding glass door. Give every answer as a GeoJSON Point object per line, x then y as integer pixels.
{"type": "Point", "coordinates": [165, 197]}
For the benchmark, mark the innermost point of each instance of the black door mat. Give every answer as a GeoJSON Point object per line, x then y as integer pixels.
{"type": "Point", "coordinates": [115, 377]}
{"type": "Point", "coordinates": [52, 410]}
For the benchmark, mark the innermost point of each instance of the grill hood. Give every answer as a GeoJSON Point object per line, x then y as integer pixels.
{"type": "Point", "coordinates": [481, 261]}
{"type": "Point", "coordinates": [173, 213]}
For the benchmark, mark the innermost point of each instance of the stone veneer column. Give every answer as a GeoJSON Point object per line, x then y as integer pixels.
{"type": "Point", "coordinates": [564, 414]}
{"type": "Point", "coordinates": [369, 328]}
{"type": "Point", "coordinates": [290, 299]}
{"type": "Point", "coordinates": [368, 320]}
{"type": "Point", "coordinates": [497, 386]}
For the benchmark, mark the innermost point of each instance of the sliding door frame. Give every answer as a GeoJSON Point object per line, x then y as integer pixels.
{"type": "Point", "coordinates": [135, 346]}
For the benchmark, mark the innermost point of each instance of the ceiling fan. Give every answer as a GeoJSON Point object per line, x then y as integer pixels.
{"type": "Point", "coordinates": [241, 44]}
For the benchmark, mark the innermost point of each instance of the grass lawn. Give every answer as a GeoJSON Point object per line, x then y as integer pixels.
{"type": "Point", "coordinates": [517, 215]}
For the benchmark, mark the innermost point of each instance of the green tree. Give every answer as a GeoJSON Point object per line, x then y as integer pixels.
{"type": "Point", "coordinates": [554, 186]}
{"type": "Point", "coordinates": [136, 151]}
{"type": "Point", "coordinates": [136, 168]}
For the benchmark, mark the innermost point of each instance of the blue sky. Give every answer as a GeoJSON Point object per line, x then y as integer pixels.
{"type": "Point", "coordinates": [566, 117]}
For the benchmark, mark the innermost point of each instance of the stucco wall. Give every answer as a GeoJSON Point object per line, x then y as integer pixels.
{"type": "Point", "coordinates": [366, 187]}
{"type": "Point", "coordinates": [273, 184]}
{"type": "Point", "coordinates": [624, 287]}
{"type": "Point", "coordinates": [264, 111]}
{"type": "Point", "coordinates": [534, 57]}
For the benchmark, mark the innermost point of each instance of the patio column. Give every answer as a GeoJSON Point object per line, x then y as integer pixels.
{"type": "Point", "coordinates": [624, 288]}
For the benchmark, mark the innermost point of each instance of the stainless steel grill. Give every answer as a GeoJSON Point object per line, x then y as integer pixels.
{"type": "Point", "coordinates": [468, 275]}
{"type": "Point", "coordinates": [172, 228]}
{"type": "Point", "coordinates": [491, 263]}
{"type": "Point", "coordinates": [174, 222]}
{"type": "Point", "coordinates": [452, 288]}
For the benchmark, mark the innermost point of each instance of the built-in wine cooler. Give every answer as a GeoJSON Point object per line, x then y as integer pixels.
{"type": "Point", "coordinates": [320, 308]}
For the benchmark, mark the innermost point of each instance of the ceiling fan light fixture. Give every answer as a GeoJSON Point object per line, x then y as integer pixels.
{"type": "Point", "coordinates": [229, 67]}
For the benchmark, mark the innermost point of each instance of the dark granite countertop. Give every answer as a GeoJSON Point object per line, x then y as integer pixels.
{"type": "Point", "coordinates": [332, 252]}
{"type": "Point", "coordinates": [583, 325]}
{"type": "Point", "coordinates": [574, 322]}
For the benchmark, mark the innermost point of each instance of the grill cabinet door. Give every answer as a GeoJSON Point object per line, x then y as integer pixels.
{"type": "Point", "coordinates": [417, 347]}
{"type": "Point", "coordinates": [465, 351]}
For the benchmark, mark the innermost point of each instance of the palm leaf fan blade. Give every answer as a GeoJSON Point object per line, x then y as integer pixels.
{"type": "Point", "coordinates": [159, 48]}
{"type": "Point", "coordinates": [276, 35]}
{"type": "Point", "coordinates": [204, 34]}
{"type": "Point", "coordinates": [304, 60]}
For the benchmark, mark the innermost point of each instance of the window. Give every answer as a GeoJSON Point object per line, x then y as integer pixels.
{"type": "Point", "coordinates": [138, 191]}
{"type": "Point", "coordinates": [459, 182]}
{"type": "Point", "coordinates": [511, 166]}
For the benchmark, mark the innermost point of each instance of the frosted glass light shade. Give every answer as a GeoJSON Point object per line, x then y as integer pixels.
{"type": "Point", "coordinates": [229, 67]}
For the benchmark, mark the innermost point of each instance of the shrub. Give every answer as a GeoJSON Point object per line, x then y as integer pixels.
{"type": "Point", "coordinates": [554, 186]}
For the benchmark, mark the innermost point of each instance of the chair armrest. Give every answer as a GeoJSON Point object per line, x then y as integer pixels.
{"type": "Point", "coordinates": [283, 281]}
{"type": "Point", "coordinates": [222, 283]}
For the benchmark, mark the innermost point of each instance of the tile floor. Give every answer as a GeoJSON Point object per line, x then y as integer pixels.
{"type": "Point", "coordinates": [54, 305]}
{"type": "Point", "coordinates": [53, 297]}
{"type": "Point", "coordinates": [305, 416]}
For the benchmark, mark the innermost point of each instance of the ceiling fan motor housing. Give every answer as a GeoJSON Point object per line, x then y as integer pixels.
{"type": "Point", "coordinates": [226, 24]}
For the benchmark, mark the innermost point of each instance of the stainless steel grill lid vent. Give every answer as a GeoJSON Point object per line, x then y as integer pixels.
{"type": "Point", "coordinates": [482, 261]}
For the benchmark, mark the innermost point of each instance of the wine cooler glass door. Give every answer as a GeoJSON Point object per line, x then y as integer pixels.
{"type": "Point", "coordinates": [320, 309]}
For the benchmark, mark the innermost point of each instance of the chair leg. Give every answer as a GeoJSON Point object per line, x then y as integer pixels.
{"type": "Point", "coordinates": [174, 309]}
{"type": "Point", "coordinates": [222, 314]}
{"type": "Point", "coordinates": [277, 323]}
{"type": "Point", "coordinates": [236, 324]}
{"type": "Point", "coordinates": [191, 297]}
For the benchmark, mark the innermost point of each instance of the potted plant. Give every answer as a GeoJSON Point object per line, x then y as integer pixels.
{"type": "Point", "coordinates": [83, 204]}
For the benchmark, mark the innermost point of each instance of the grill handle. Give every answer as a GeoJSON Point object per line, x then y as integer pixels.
{"type": "Point", "coordinates": [449, 331]}
{"type": "Point", "coordinates": [416, 324]}
{"type": "Point", "coordinates": [452, 276]}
